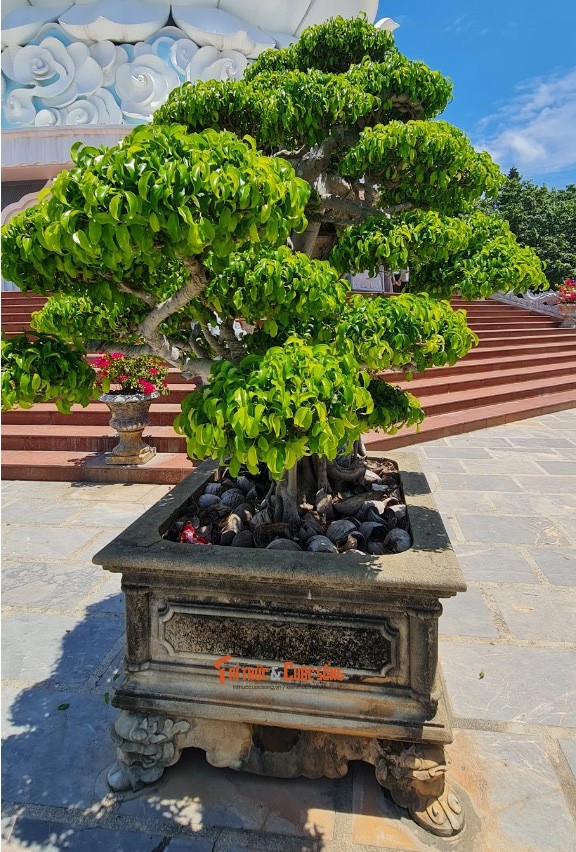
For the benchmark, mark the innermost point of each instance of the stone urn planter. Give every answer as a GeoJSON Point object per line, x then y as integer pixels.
{"type": "Point", "coordinates": [130, 416]}
{"type": "Point", "coordinates": [287, 663]}
{"type": "Point", "coordinates": [567, 311]}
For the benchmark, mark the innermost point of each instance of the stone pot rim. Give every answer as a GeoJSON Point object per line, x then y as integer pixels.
{"type": "Point", "coordinates": [127, 397]}
{"type": "Point", "coordinates": [140, 551]}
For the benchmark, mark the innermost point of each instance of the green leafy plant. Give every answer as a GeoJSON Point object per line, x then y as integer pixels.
{"type": "Point", "coordinates": [251, 200]}
{"type": "Point", "coordinates": [44, 369]}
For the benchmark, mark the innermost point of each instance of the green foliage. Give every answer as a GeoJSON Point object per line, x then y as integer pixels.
{"type": "Point", "coordinates": [492, 261]}
{"type": "Point", "coordinates": [294, 401]}
{"type": "Point", "coordinates": [81, 318]}
{"type": "Point", "coordinates": [393, 408]}
{"type": "Point", "coordinates": [159, 188]}
{"type": "Point", "coordinates": [332, 47]}
{"type": "Point", "coordinates": [342, 74]}
{"type": "Point", "coordinates": [541, 218]}
{"type": "Point", "coordinates": [408, 239]}
{"type": "Point", "coordinates": [403, 332]}
{"type": "Point", "coordinates": [279, 108]}
{"type": "Point", "coordinates": [44, 370]}
{"type": "Point", "coordinates": [291, 285]}
{"type": "Point", "coordinates": [427, 164]}
{"type": "Point", "coordinates": [476, 255]}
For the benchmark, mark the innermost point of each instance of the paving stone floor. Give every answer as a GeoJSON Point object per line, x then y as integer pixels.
{"type": "Point", "coordinates": [508, 651]}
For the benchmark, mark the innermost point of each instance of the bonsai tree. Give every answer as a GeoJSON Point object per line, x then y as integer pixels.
{"type": "Point", "coordinates": [251, 199]}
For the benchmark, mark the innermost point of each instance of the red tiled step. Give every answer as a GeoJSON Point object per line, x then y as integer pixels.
{"type": "Point", "coordinates": [481, 326]}
{"type": "Point", "coordinates": [481, 417]}
{"type": "Point", "coordinates": [16, 316]}
{"type": "Point", "coordinates": [426, 383]}
{"type": "Point", "coordinates": [469, 365]}
{"type": "Point", "coordinates": [552, 348]}
{"type": "Point", "coordinates": [96, 414]}
{"type": "Point", "coordinates": [88, 439]}
{"type": "Point", "coordinates": [520, 339]}
{"type": "Point", "coordinates": [444, 401]}
{"type": "Point", "coordinates": [168, 469]}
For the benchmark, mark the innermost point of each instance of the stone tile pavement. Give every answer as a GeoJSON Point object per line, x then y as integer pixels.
{"type": "Point", "coordinates": [508, 651]}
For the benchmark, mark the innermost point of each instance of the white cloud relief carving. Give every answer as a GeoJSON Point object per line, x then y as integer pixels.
{"type": "Point", "coordinates": [63, 64]}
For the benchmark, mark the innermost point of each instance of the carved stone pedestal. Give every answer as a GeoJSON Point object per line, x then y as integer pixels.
{"type": "Point", "coordinates": [339, 655]}
{"type": "Point", "coordinates": [414, 773]}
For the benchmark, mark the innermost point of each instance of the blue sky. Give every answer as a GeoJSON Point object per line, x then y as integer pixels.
{"type": "Point", "coordinates": [513, 65]}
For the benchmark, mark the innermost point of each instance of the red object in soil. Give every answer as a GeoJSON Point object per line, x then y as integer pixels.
{"type": "Point", "coordinates": [190, 536]}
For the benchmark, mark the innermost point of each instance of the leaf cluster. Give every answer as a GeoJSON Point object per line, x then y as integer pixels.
{"type": "Point", "coordinates": [295, 400]}
{"type": "Point", "coordinates": [475, 255]}
{"type": "Point", "coordinates": [492, 261]}
{"type": "Point", "coordinates": [341, 74]}
{"type": "Point", "coordinates": [332, 47]}
{"type": "Point", "coordinates": [404, 332]}
{"type": "Point", "coordinates": [161, 187]}
{"type": "Point", "coordinates": [44, 369]}
{"type": "Point", "coordinates": [429, 164]}
{"type": "Point", "coordinates": [82, 318]}
{"type": "Point", "coordinates": [278, 288]}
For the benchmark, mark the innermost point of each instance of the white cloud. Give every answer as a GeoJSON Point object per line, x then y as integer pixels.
{"type": "Point", "coordinates": [536, 130]}
{"type": "Point", "coordinates": [463, 23]}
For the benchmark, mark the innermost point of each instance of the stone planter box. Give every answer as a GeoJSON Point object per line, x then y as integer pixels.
{"type": "Point", "coordinates": [226, 649]}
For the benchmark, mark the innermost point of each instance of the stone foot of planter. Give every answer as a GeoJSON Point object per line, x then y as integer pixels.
{"type": "Point", "coordinates": [414, 773]}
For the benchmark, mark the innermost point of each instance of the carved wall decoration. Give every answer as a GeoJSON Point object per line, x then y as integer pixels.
{"type": "Point", "coordinates": [114, 62]}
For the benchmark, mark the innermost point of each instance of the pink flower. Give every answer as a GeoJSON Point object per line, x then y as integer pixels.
{"type": "Point", "coordinates": [116, 355]}
{"type": "Point", "coordinates": [102, 362]}
{"type": "Point", "coordinates": [148, 387]}
{"type": "Point", "coordinates": [153, 371]}
{"type": "Point", "coordinates": [122, 378]}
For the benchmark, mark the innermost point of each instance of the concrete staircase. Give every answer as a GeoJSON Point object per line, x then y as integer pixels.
{"type": "Point", "coordinates": [524, 366]}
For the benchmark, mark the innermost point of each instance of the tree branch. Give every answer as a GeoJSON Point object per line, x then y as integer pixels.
{"type": "Point", "coordinates": [189, 367]}
{"type": "Point", "coordinates": [235, 347]}
{"type": "Point", "coordinates": [161, 345]}
{"type": "Point", "coordinates": [198, 350]}
{"type": "Point", "coordinates": [138, 294]}
{"type": "Point", "coordinates": [312, 164]}
{"type": "Point", "coordinates": [349, 206]}
{"type": "Point", "coordinates": [396, 208]}
{"type": "Point", "coordinates": [213, 342]}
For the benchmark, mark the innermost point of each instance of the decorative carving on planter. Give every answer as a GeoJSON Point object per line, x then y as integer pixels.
{"type": "Point", "coordinates": [130, 416]}
{"type": "Point", "coordinates": [111, 63]}
{"type": "Point", "coordinates": [148, 743]}
{"type": "Point", "coordinates": [370, 647]}
{"type": "Point", "coordinates": [414, 773]}
{"type": "Point", "coordinates": [145, 745]}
